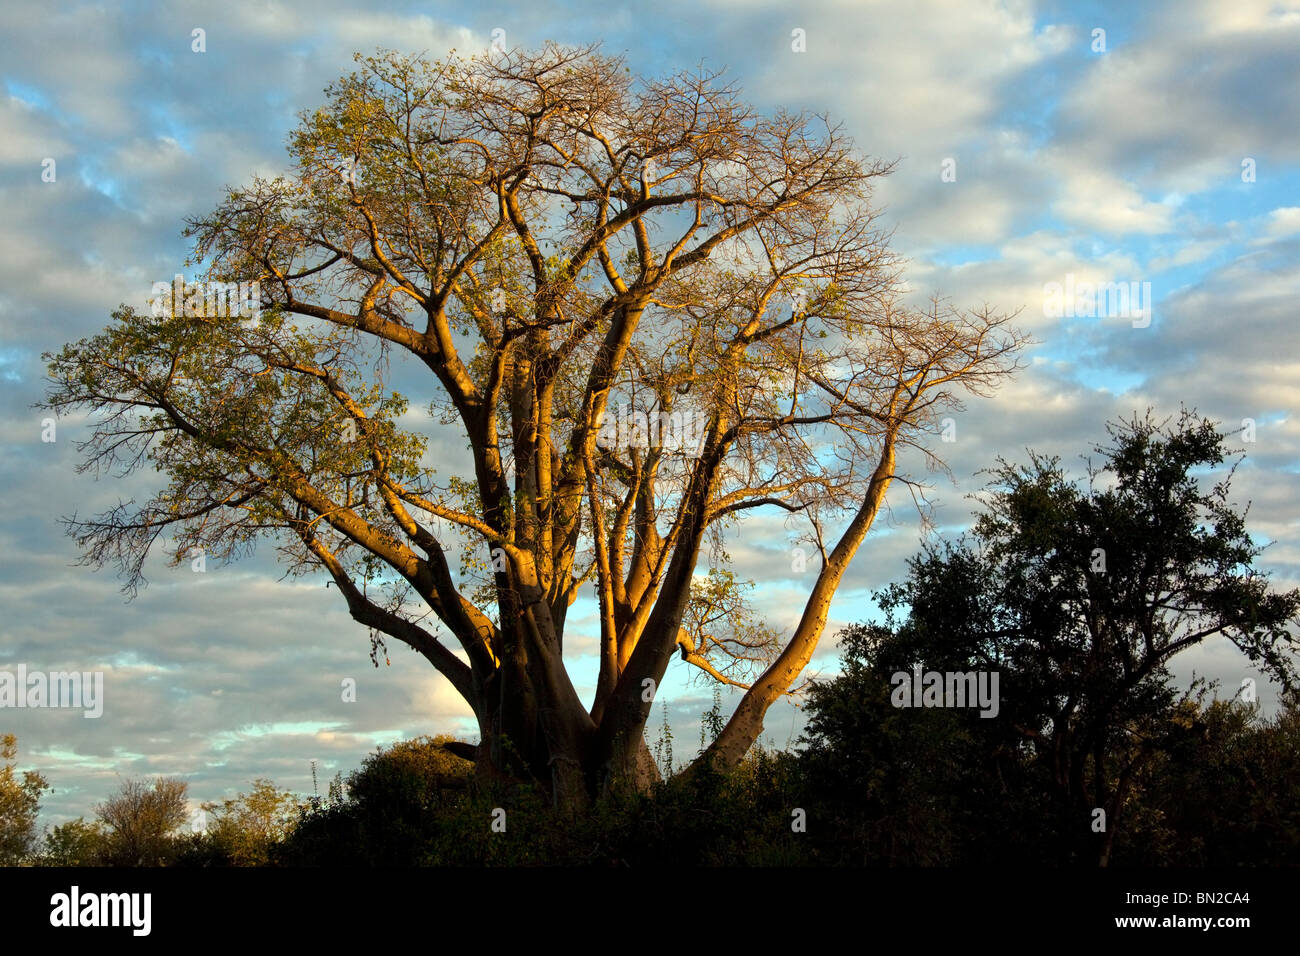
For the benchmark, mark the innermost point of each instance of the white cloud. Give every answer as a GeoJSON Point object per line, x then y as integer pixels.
{"type": "Point", "coordinates": [1103, 202]}
{"type": "Point", "coordinates": [1283, 222]}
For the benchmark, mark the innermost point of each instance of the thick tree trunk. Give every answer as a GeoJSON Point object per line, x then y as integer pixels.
{"type": "Point", "coordinates": [529, 737]}
{"type": "Point", "coordinates": [571, 786]}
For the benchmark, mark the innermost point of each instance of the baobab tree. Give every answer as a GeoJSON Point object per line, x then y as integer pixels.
{"type": "Point", "coordinates": [650, 311]}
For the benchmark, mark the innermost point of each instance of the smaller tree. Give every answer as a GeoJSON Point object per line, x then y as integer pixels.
{"type": "Point", "coordinates": [142, 821]}
{"type": "Point", "coordinates": [1098, 587]}
{"type": "Point", "coordinates": [245, 829]}
{"type": "Point", "coordinates": [409, 777]}
{"type": "Point", "coordinates": [20, 801]}
{"type": "Point", "coordinates": [1079, 595]}
{"type": "Point", "coordinates": [400, 802]}
{"type": "Point", "coordinates": [75, 843]}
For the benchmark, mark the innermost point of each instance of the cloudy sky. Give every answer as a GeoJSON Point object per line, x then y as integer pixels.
{"type": "Point", "coordinates": [1037, 144]}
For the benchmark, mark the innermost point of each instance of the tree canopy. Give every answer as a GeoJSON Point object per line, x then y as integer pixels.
{"type": "Point", "coordinates": [649, 311]}
{"type": "Point", "coordinates": [20, 801]}
{"type": "Point", "coordinates": [142, 819]}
